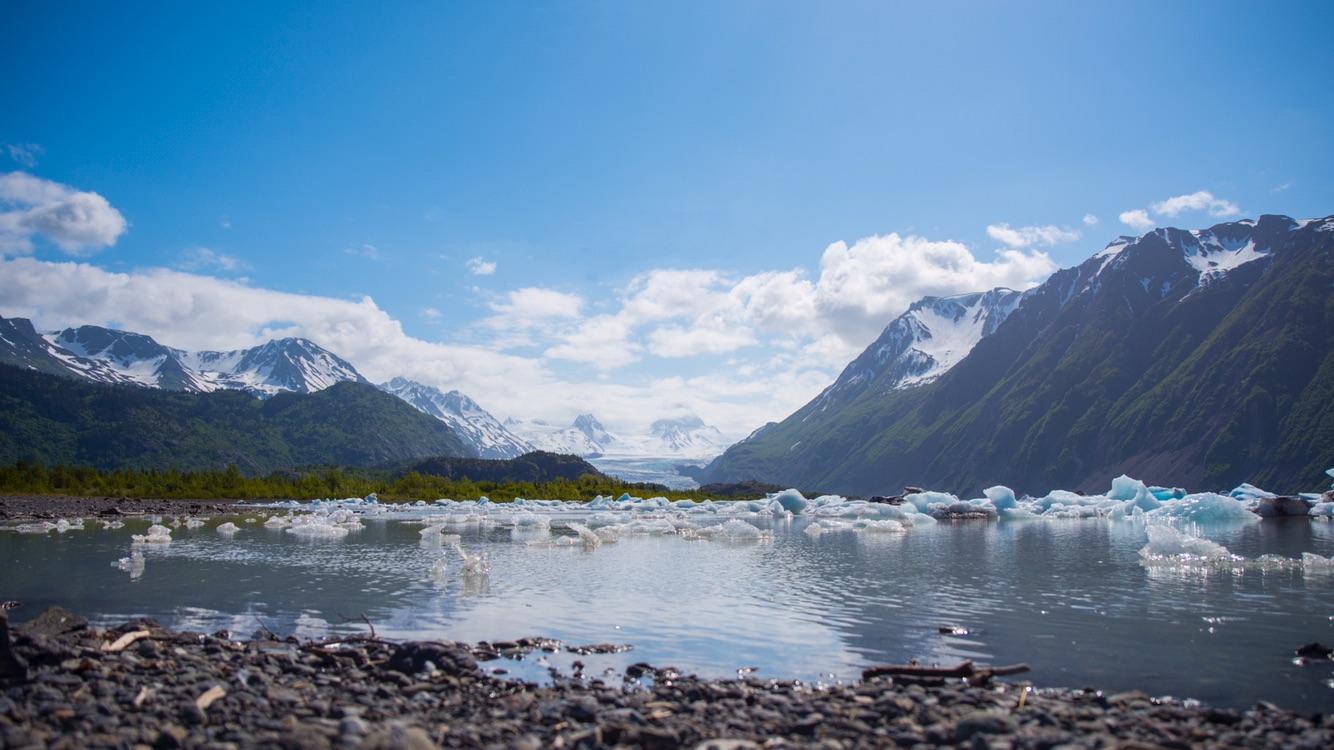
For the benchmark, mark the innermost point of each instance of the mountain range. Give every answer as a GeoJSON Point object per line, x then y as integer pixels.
{"type": "Point", "coordinates": [295, 365]}
{"type": "Point", "coordinates": [52, 419]}
{"type": "Point", "coordinates": [1197, 358]}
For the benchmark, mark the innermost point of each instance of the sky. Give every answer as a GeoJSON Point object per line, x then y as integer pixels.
{"type": "Point", "coordinates": [629, 209]}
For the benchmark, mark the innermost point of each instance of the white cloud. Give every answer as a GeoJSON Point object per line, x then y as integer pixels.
{"type": "Point", "coordinates": [430, 313]}
{"type": "Point", "coordinates": [364, 250]}
{"type": "Point", "coordinates": [479, 266]}
{"type": "Point", "coordinates": [791, 333]}
{"type": "Point", "coordinates": [75, 221]}
{"type": "Point", "coordinates": [1090, 220]}
{"type": "Point", "coordinates": [1202, 200]}
{"type": "Point", "coordinates": [1138, 219]}
{"type": "Point", "coordinates": [712, 334]}
{"type": "Point", "coordinates": [1281, 188]}
{"type": "Point", "coordinates": [1030, 235]}
{"type": "Point", "coordinates": [25, 154]}
{"type": "Point", "coordinates": [536, 303]}
{"type": "Point", "coordinates": [683, 312]}
{"type": "Point", "coordinates": [205, 259]}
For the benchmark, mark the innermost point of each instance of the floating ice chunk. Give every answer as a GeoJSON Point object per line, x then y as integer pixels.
{"type": "Point", "coordinates": [1144, 499]}
{"type": "Point", "coordinates": [193, 523]}
{"type": "Point", "coordinates": [1167, 493]}
{"type": "Point", "coordinates": [1168, 544]}
{"type": "Point", "coordinates": [474, 565]}
{"type": "Point", "coordinates": [227, 529]}
{"type": "Point", "coordinates": [317, 526]}
{"type": "Point", "coordinates": [40, 527]}
{"type": "Point", "coordinates": [585, 534]}
{"type": "Point", "coordinates": [924, 500]}
{"type": "Point", "coordinates": [1125, 488]}
{"type": "Point", "coordinates": [1001, 497]}
{"type": "Point", "coordinates": [134, 564]}
{"type": "Point", "coordinates": [157, 534]}
{"type": "Point", "coordinates": [317, 531]}
{"type": "Point", "coordinates": [113, 524]}
{"type": "Point", "coordinates": [814, 529]}
{"type": "Point", "coordinates": [733, 530]}
{"type": "Point", "coordinates": [792, 501]}
{"type": "Point", "coordinates": [1203, 507]}
{"type": "Point", "coordinates": [1249, 492]}
{"type": "Point", "coordinates": [277, 522]}
{"type": "Point", "coordinates": [1323, 510]}
{"type": "Point", "coordinates": [1313, 563]}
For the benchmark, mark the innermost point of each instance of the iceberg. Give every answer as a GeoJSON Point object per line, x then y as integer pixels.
{"type": "Point", "coordinates": [157, 534]}
{"type": "Point", "coordinates": [1002, 498]}
{"type": "Point", "coordinates": [1203, 507]}
{"type": "Point", "coordinates": [228, 529]}
{"type": "Point", "coordinates": [1168, 544]}
{"type": "Point", "coordinates": [791, 501]}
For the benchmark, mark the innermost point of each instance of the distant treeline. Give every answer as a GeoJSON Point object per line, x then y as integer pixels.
{"type": "Point", "coordinates": [26, 477]}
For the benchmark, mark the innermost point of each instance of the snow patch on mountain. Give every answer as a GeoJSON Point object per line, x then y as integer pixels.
{"type": "Point", "coordinates": [474, 425]}
{"type": "Point", "coordinates": [107, 355]}
{"type": "Point", "coordinates": [923, 343]}
{"type": "Point", "coordinates": [584, 437]}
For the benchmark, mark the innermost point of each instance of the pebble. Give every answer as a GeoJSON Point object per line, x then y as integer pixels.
{"type": "Point", "coordinates": [421, 696]}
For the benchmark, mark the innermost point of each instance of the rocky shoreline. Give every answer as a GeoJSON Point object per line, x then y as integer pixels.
{"type": "Point", "coordinates": [51, 507]}
{"type": "Point", "coordinates": [139, 685]}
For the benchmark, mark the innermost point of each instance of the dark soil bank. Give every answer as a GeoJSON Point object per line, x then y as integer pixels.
{"type": "Point", "coordinates": [71, 686]}
{"type": "Point", "coordinates": [25, 507]}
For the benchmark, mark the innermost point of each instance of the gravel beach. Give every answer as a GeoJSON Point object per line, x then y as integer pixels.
{"type": "Point", "coordinates": [48, 507]}
{"type": "Point", "coordinates": [139, 685]}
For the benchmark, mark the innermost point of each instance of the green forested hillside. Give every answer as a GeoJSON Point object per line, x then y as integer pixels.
{"type": "Point", "coordinates": [1136, 368]}
{"type": "Point", "coordinates": [58, 420]}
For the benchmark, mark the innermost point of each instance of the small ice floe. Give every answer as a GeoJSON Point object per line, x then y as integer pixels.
{"type": "Point", "coordinates": [107, 525]}
{"type": "Point", "coordinates": [1313, 564]}
{"type": "Point", "coordinates": [193, 523]}
{"type": "Point", "coordinates": [474, 564]}
{"type": "Point", "coordinates": [1170, 548]}
{"type": "Point", "coordinates": [733, 530]}
{"type": "Point", "coordinates": [251, 520]}
{"type": "Point", "coordinates": [1203, 507]}
{"type": "Point", "coordinates": [157, 535]}
{"type": "Point", "coordinates": [228, 529]}
{"type": "Point", "coordinates": [134, 564]}
{"type": "Point", "coordinates": [39, 527]}
{"type": "Point", "coordinates": [277, 522]}
{"type": "Point", "coordinates": [317, 526]}
{"type": "Point", "coordinates": [585, 535]}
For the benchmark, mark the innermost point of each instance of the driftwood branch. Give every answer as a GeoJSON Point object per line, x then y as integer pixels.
{"type": "Point", "coordinates": [963, 670]}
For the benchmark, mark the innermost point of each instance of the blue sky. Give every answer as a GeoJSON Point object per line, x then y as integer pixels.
{"type": "Point", "coordinates": [655, 184]}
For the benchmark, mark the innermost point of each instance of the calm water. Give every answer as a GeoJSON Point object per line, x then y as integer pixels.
{"type": "Point", "coordinates": [1069, 597]}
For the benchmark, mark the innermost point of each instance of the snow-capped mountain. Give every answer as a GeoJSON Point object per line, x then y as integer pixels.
{"type": "Point", "coordinates": [475, 425]}
{"type": "Point", "coordinates": [1188, 355]}
{"type": "Point", "coordinates": [584, 437]}
{"type": "Point", "coordinates": [687, 435]}
{"type": "Point", "coordinates": [923, 343]}
{"type": "Point", "coordinates": [106, 355]}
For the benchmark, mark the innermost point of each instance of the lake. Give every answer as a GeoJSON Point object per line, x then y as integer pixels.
{"type": "Point", "coordinates": [1072, 598]}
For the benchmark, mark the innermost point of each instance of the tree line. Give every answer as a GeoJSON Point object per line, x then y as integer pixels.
{"type": "Point", "coordinates": [25, 477]}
